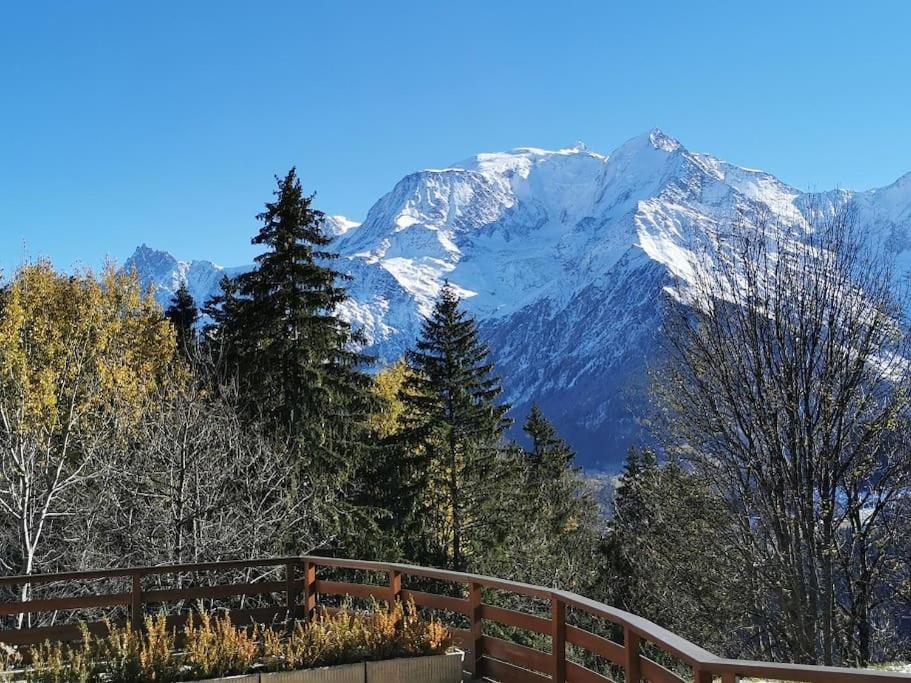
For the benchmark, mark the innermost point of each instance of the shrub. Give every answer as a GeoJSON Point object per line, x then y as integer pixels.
{"type": "Point", "coordinates": [64, 663]}
{"type": "Point", "coordinates": [122, 656]}
{"type": "Point", "coordinates": [215, 647]}
{"type": "Point", "coordinates": [351, 636]}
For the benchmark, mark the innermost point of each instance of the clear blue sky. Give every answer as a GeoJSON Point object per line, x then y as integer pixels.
{"type": "Point", "coordinates": [163, 122]}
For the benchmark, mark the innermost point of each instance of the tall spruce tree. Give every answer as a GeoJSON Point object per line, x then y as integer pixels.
{"type": "Point", "coordinates": [295, 361]}
{"type": "Point", "coordinates": [556, 523]}
{"type": "Point", "coordinates": [549, 454]}
{"type": "Point", "coordinates": [219, 334]}
{"type": "Point", "coordinates": [661, 560]}
{"type": "Point", "coordinates": [183, 315]}
{"type": "Point", "coordinates": [451, 433]}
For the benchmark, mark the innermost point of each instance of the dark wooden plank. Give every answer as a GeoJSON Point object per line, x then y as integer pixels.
{"type": "Point", "coordinates": [395, 585]}
{"type": "Point", "coordinates": [505, 672]}
{"type": "Point", "coordinates": [136, 601]}
{"type": "Point", "coordinates": [434, 601]}
{"type": "Point", "coordinates": [669, 642]}
{"type": "Point", "coordinates": [211, 592]}
{"type": "Point", "coordinates": [579, 674]}
{"type": "Point", "coordinates": [430, 573]}
{"type": "Point", "coordinates": [512, 617]}
{"type": "Point", "coordinates": [475, 627]}
{"type": "Point", "coordinates": [69, 632]}
{"type": "Point", "coordinates": [92, 574]}
{"type": "Point", "coordinates": [558, 639]}
{"type": "Point", "coordinates": [34, 636]}
{"type": "Point", "coordinates": [309, 589]}
{"type": "Point", "coordinates": [355, 590]}
{"type": "Point", "coordinates": [804, 672]}
{"type": "Point", "coordinates": [54, 604]}
{"type": "Point", "coordinates": [632, 663]}
{"type": "Point", "coordinates": [655, 673]}
{"type": "Point", "coordinates": [513, 653]}
{"type": "Point", "coordinates": [595, 644]}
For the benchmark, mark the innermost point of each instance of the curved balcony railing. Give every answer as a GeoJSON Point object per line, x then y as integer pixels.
{"type": "Point", "coordinates": [298, 582]}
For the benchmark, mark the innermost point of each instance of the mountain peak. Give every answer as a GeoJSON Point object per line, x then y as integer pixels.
{"type": "Point", "coordinates": [660, 140]}
{"type": "Point", "coordinates": [145, 256]}
{"type": "Point", "coordinates": [654, 139]}
{"type": "Point", "coordinates": [336, 226]}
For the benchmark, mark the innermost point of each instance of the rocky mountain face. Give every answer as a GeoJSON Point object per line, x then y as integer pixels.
{"type": "Point", "coordinates": [562, 256]}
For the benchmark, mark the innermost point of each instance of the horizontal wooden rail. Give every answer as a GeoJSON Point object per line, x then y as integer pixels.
{"type": "Point", "coordinates": [296, 580]}
{"type": "Point", "coordinates": [511, 617]}
{"type": "Point", "coordinates": [354, 590]}
{"type": "Point", "coordinates": [214, 592]}
{"type": "Point", "coordinates": [602, 647]}
{"type": "Point", "coordinates": [434, 601]}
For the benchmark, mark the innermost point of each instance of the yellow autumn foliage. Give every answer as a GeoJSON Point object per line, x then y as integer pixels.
{"type": "Point", "coordinates": [386, 386]}
{"type": "Point", "coordinates": [78, 351]}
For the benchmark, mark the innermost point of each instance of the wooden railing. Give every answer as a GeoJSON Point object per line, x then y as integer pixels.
{"type": "Point", "coordinates": [300, 587]}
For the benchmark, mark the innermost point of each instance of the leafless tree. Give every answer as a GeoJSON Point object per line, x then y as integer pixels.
{"type": "Point", "coordinates": [196, 485]}
{"type": "Point", "coordinates": [787, 388]}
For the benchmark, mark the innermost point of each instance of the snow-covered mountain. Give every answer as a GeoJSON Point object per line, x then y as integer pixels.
{"type": "Point", "coordinates": [164, 273]}
{"type": "Point", "coordinates": [562, 256]}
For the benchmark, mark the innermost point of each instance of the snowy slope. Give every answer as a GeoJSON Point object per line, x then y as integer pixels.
{"type": "Point", "coordinates": [562, 256]}
{"type": "Point", "coordinates": [164, 273]}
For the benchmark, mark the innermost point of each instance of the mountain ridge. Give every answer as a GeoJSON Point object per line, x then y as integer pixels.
{"type": "Point", "coordinates": [562, 256]}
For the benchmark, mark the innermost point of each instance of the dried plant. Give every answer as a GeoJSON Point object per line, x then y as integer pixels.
{"type": "Point", "coordinates": [216, 647]}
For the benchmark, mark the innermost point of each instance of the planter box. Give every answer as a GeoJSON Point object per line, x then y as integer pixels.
{"type": "Point", "coordinates": [436, 669]}
{"type": "Point", "coordinates": [345, 673]}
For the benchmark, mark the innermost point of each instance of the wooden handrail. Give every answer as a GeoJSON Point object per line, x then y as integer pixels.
{"type": "Point", "coordinates": [489, 657]}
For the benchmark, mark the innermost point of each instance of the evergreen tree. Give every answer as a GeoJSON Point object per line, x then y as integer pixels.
{"type": "Point", "coordinates": [661, 559]}
{"type": "Point", "coordinates": [221, 335]}
{"type": "Point", "coordinates": [294, 360]}
{"type": "Point", "coordinates": [451, 430]}
{"type": "Point", "coordinates": [297, 364]}
{"type": "Point", "coordinates": [183, 315]}
{"type": "Point", "coordinates": [550, 455]}
{"type": "Point", "coordinates": [633, 500]}
{"type": "Point", "coordinates": [556, 522]}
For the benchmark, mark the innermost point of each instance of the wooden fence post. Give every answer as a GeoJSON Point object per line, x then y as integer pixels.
{"type": "Point", "coordinates": [395, 586]}
{"type": "Point", "coordinates": [136, 602]}
{"type": "Point", "coordinates": [474, 617]}
{"type": "Point", "coordinates": [701, 675]}
{"type": "Point", "coordinates": [558, 638]}
{"type": "Point", "coordinates": [291, 591]}
{"type": "Point", "coordinates": [633, 666]}
{"type": "Point", "coordinates": [309, 589]}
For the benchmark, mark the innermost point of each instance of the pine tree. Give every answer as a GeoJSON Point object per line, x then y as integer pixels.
{"type": "Point", "coordinates": [183, 315]}
{"type": "Point", "coordinates": [451, 436]}
{"type": "Point", "coordinates": [662, 557]}
{"type": "Point", "coordinates": [221, 309]}
{"type": "Point", "coordinates": [556, 523]}
{"type": "Point", "coordinates": [632, 512]}
{"type": "Point", "coordinates": [549, 455]}
{"type": "Point", "coordinates": [295, 361]}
